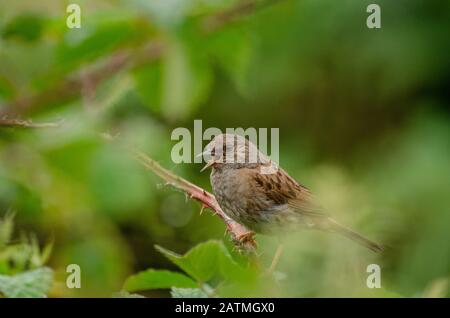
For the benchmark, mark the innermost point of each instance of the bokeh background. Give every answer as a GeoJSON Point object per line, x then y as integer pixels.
{"type": "Point", "coordinates": [363, 117]}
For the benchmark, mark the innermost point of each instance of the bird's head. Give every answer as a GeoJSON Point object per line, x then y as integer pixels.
{"type": "Point", "coordinates": [233, 151]}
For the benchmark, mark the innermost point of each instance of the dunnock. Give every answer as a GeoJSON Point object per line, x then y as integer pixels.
{"type": "Point", "coordinates": [254, 192]}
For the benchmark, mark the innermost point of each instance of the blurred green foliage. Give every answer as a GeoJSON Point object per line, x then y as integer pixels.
{"type": "Point", "coordinates": [363, 117]}
{"type": "Point", "coordinates": [22, 271]}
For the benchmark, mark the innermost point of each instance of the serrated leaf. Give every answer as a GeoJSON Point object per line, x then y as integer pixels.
{"type": "Point", "coordinates": [157, 279]}
{"type": "Point", "coordinates": [207, 260]}
{"type": "Point", "coordinates": [187, 293]}
{"type": "Point", "coordinates": [31, 284]}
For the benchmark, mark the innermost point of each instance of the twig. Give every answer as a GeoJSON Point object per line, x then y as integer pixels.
{"type": "Point", "coordinates": [218, 20]}
{"type": "Point", "coordinates": [240, 235]}
{"type": "Point", "coordinates": [243, 8]}
{"type": "Point", "coordinates": [10, 122]}
{"type": "Point", "coordinates": [276, 258]}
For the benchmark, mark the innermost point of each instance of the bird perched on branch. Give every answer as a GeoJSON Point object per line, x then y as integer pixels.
{"type": "Point", "coordinates": [253, 191]}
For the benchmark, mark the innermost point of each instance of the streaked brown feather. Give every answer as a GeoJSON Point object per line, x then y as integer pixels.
{"type": "Point", "coordinates": [281, 188]}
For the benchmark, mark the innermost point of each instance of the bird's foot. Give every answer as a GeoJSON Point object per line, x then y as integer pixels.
{"type": "Point", "coordinates": [246, 237]}
{"type": "Point", "coordinates": [245, 243]}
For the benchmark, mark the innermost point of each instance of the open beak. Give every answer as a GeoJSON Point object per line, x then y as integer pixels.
{"type": "Point", "coordinates": [200, 154]}
{"type": "Point", "coordinates": [209, 164]}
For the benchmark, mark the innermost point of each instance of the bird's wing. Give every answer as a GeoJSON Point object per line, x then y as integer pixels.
{"type": "Point", "coordinates": [282, 189]}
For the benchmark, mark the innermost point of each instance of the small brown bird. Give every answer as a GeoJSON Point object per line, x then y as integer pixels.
{"type": "Point", "coordinates": [254, 192]}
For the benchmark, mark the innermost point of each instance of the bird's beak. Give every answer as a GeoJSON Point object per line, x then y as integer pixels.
{"type": "Point", "coordinates": [200, 154]}
{"type": "Point", "coordinates": [209, 164]}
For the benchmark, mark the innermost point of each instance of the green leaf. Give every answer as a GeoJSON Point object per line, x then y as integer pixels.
{"type": "Point", "coordinates": [110, 173]}
{"type": "Point", "coordinates": [6, 88]}
{"type": "Point", "coordinates": [233, 48]}
{"type": "Point", "coordinates": [26, 27]}
{"type": "Point", "coordinates": [46, 251]}
{"type": "Point", "coordinates": [95, 40]}
{"type": "Point", "coordinates": [156, 279]}
{"type": "Point", "coordinates": [187, 293]}
{"type": "Point", "coordinates": [207, 260]}
{"type": "Point", "coordinates": [6, 229]}
{"type": "Point", "coordinates": [149, 84]}
{"type": "Point", "coordinates": [178, 84]}
{"type": "Point", "coordinates": [31, 284]}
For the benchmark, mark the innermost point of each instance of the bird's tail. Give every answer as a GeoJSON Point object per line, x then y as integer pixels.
{"type": "Point", "coordinates": [335, 227]}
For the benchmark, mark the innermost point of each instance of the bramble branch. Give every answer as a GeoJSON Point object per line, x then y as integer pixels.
{"type": "Point", "coordinates": [15, 122]}
{"type": "Point", "coordinates": [241, 236]}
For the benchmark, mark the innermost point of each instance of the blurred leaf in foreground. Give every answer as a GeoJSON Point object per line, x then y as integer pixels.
{"type": "Point", "coordinates": [208, 260]}
{"type": "Point", "coordinates": [187, 293]}
{"type": "Point", "coordinates": [31, 284]}
{"type": "Point", "coordinates": [125, 294]}
{"type": "Point", "coordinates": [25, 27]}
{"type": "Point", "coordinates": [156, 279]}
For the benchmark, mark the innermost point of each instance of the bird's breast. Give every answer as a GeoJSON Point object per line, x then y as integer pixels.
{"type": "Point", "coordinates": [229, 191]}
{"type": "Point", "coordinates": [236, 194]}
